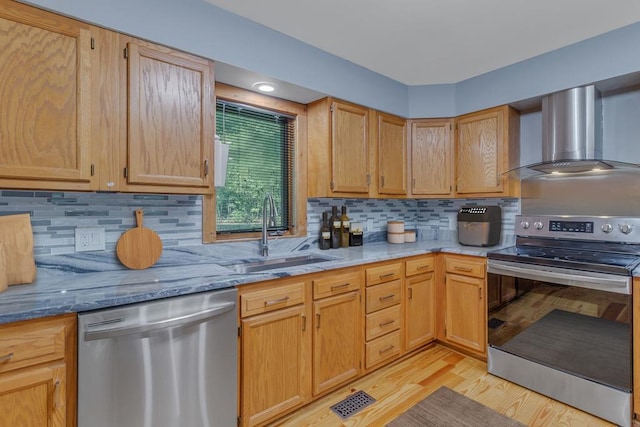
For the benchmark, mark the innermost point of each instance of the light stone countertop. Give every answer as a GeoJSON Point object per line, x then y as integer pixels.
{"type": "Point", "coordinates": [85, 281]}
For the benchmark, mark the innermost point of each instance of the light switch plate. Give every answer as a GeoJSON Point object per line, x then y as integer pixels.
{"type": "Point", "coordinates": [89, 239]}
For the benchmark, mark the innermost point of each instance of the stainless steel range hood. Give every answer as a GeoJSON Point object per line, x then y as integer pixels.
{"type": "Point", "coordinates": [571, 135]}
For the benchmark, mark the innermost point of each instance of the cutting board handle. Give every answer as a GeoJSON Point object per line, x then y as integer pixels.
{"type": "Point", "coordinates": [139, 218]}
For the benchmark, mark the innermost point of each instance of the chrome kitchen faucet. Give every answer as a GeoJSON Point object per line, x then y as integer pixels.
{"type": "Point", "coordinates": [267, 203]}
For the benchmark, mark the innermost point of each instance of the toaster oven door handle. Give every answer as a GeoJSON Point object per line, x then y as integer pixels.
{"type": "Point", "coordinates": [562, 276]}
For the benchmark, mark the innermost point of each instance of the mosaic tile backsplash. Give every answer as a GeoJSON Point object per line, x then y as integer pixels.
{"type": "Point", "coordinates": [432, 219]}
{"type": "Point", "coordinates": [55, 216]}
{"type": "Point", "coordinates": [178, 219]}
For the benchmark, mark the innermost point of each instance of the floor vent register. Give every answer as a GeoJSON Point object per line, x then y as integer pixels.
{"type": "Point", "coordinates": [352, 404]}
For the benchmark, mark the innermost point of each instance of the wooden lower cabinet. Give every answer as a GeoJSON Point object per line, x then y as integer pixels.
{"type": "Point", "coordinates": [276, 350]}
{"type": "Point", "coordinates": [337, 341]}
{"type": "Point", "coordinates": [419, 310]}
{"type": "Point", "coordinates": [463, 298]}
{"type": "Point", "coordinates": [419, 301]}
{"type": "Point", "coordinates": [34, 397]}
{"type": "Point", "coordinates": [38, 373]}
{"type": "Point", "coordinates": [302, 337]}
{"type": "Point", "coordinates": [465, 323]}
{"type": "Point", "coordinates": [636, 346]}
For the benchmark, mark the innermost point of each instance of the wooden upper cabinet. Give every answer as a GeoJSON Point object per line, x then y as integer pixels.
{"type": "Point", "coordinates": [44, 100]}
{"type": "Point", "coordinates": [486, 147]}
{"type": "Point", "coordinates": [431, 157]}
{"type": "Point", "coordinates": [392, 154]}
{"type": "Point", "coordinates": [170, 118]}
{"type": "Point", "coordinates": [349, 148]}
{"type": "Point", "coordinates": [338, 149]}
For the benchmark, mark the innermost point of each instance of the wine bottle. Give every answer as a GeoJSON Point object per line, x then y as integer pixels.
{"type": "Point", "coordinates": [325, 232]}
{"type": "Point", "coordinates": [344, 230]}
{"type": "Point", "coordinates": [336, 227]}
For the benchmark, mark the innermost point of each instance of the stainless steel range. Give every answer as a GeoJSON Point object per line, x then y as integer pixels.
{"type": "Point", "coordinates": [560, 310]}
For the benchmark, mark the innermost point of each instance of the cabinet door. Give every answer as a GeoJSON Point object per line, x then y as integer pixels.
{"type": "Point", "coordinates": [392, 154]}
{"type": "Point", "coordinates": [44, 100]}
{"type": "Point", "coordinates": [34, 397]}
{"type": "Point", "coordinates": [275, 364]}
{"type": "Point", "coordinates": [465, 318]}
{"type": "Point", "coordinates": [349, 148]}
{"type": "Point", "coordinates": [432, 157]}
{"type": "Point", "coordinates": [170, 126]}
{"type": "Point", "coordinates": [337, 341]}
{"type": "Point", "coordinates": [419, 314]}
{"type": "Point", "coordinates": [479, 152]}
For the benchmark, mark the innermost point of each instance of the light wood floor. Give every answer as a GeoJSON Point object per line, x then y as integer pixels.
{"type": "Point", "coordinates": [398, 387]}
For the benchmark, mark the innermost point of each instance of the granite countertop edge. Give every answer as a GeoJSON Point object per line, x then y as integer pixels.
{"type": "Point", "coordinates": [75, 288]}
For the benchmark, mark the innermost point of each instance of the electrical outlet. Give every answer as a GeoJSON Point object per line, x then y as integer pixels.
{"type": "Point", "coordinates": [89, 239]}
{"type": "Point", "coordinates": [369, 224]}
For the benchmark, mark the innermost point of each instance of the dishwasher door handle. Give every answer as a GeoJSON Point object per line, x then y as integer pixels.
{"type": "Point", "coordinates": [186, 320]}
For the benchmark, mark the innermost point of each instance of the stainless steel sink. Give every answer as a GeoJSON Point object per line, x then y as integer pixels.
{"type": "Point", "coordinates": [275, 263]}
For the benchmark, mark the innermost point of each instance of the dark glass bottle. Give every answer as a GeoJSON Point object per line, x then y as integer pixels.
{"type": "Point", "coordinates": [344, 228]}
{"type": "Point", "coordinates": [325, 232]}
{"type": "Point", "coordinates": [336, 227]}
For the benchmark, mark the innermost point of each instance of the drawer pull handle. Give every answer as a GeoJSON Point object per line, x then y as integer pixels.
{"type": "Point", "coordinates": [387, 323]}
{"type": "Point", "coordinates": [336, 287]}
{"type": "Point", "coordinates": [384, 276]}
{"type": "Point", "coordinates": [317, 320]}
{"type": "Point", "coordinates": [422, 267]}
{"type": "Point", "coordinates": [276, 301]}
{"type": "Point", "coordinates": [410, 293]}
{"type": "Point", "coordinates": [467, 269]}
{"type": "Point", "coordinates": [387, 297]}
{"type": "Point", "coordinates": [6, 357]}
{"type": "Point", "coordinates": [304, 323]}
{"type": "Point", "coordinates": [384, 350]}
{"type": "Point", "coordinates": [56, 394]}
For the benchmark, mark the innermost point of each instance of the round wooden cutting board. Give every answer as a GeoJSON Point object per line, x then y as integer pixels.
{"type": "Point", "coordinates": [140, 247]}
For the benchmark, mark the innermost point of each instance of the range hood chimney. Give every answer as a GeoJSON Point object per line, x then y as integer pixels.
{"type": "Point", "coordinates": [571, 135]}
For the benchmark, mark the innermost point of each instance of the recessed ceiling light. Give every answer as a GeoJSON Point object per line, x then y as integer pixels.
{"type": "Point", "coordinates": [264, 86]}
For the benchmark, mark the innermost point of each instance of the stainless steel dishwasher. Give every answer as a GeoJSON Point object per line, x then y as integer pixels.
{"type": "Point", "coordinates": [163, 363]}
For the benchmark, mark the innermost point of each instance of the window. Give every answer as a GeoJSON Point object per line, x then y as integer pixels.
{"type": "Point", "coordinates": [261, 161]}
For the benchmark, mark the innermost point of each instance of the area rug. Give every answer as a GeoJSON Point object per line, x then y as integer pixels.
{"type": "Point", "coordinates": [446, 408]}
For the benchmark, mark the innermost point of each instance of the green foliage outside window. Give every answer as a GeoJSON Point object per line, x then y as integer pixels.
{"type": "Point", "coordinates": [260, 162]}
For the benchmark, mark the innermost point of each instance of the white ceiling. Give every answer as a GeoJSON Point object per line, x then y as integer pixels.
{"type": "Point", "coordinates": [420, 42]}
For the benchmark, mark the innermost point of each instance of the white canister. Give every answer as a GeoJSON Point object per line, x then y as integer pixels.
{"type": "Point", "coordinates": [409, 236]}
{"type": "Point", "coordinates": [395, 227]}
{"type": "Point", "coordinates": [395, 237]}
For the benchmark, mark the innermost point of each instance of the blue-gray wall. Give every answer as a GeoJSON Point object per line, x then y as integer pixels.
{"type": "Point", "coordinates": [201, 28]}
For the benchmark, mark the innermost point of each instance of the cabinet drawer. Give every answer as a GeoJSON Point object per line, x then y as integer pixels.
{"type": "Point", "coordinates": [383, 296]}
{"type": "Point", "coordinates": [418, 266]}
{"type": "Point", "coordinates": [381, 349]}
{"type": "Point", "coordinates": [382, 274]}
{"type": "Point", "coordinates": [271, 299]}
{"type": "Point", "coordinates": [30, 344]}
{"type": "Point", "coordinates": [337, 284]}
{"type": "Point", "coordinates": [465, 267]}
{"type": "Point", "coordinates": [382, 322]}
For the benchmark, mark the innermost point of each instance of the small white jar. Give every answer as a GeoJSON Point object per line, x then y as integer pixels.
{"type": "Point", "coordinates": [395, 237]}
{"type": "Point", "coordinates": [409, 236]}
{"type": "Point", "coordinates": [395, 227]}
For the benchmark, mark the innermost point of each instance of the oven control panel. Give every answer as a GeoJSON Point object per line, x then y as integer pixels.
{"type": "Point", "coordinates": [597, 228]}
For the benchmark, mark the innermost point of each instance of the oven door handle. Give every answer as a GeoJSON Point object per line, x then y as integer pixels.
{"type": "Point", "coordinates": [582, 279]}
